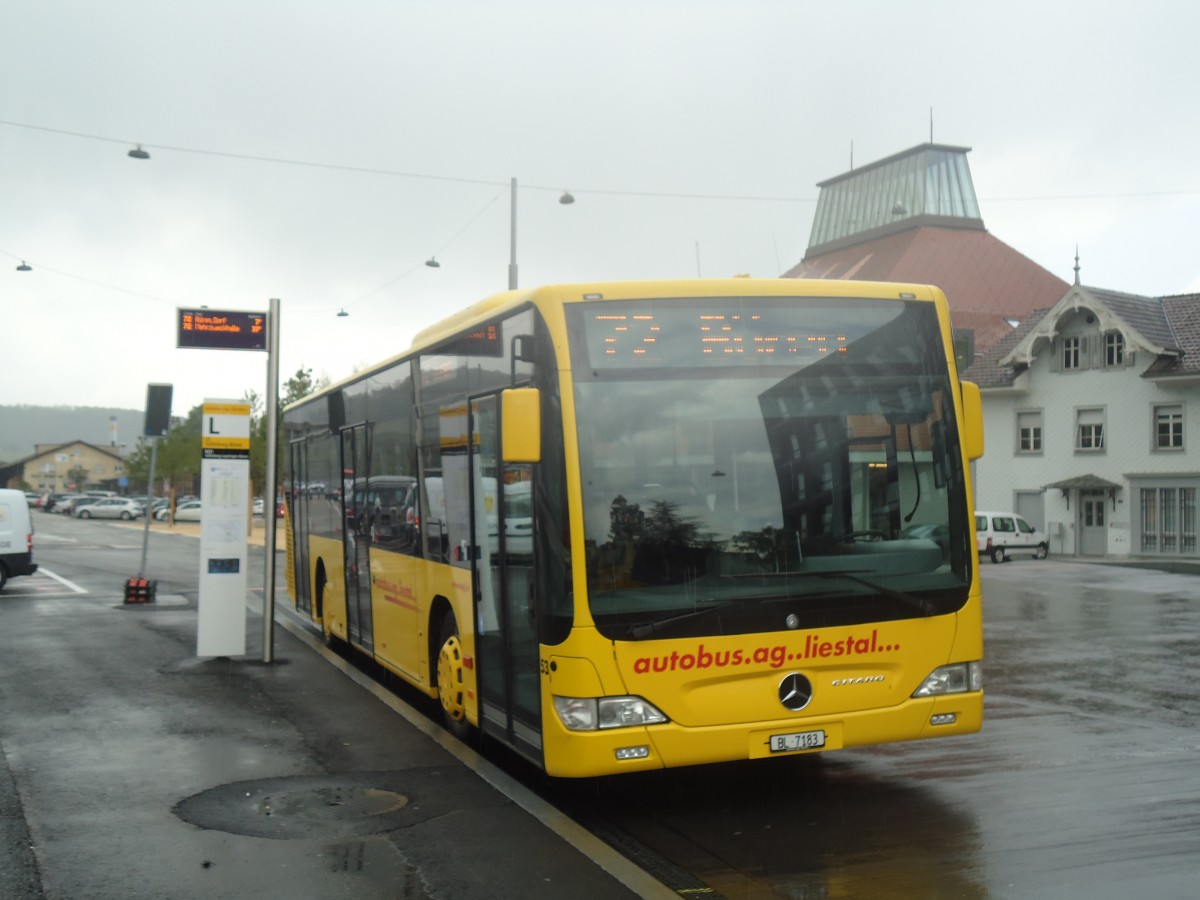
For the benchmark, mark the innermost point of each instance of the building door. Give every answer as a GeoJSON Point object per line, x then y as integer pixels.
{"type": "Point", "coordinates": [506, 642]}
{"type": "Point", "coordinates": [1093, 528]}
{"type": "Point", "coordinates": [1031, 508]}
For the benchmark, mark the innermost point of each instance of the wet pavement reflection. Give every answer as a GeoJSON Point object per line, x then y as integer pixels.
{"type": "Point", "coordinates": [1085, 781]}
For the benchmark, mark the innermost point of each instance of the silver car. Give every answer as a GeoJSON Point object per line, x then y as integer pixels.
{"type": "Point", "coordinates": [184, 512]}
{"type": "Point", "coordinates": [111, 508]}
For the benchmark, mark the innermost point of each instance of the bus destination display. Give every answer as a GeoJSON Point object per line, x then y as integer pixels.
{"type": "Point", "coordinates": [221, 329]}
{"type": "Point", "coordinates": [714, 334]}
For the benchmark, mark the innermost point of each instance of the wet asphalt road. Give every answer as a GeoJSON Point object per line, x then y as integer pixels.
{"type": "Point", "coordinates": [1085, 781]}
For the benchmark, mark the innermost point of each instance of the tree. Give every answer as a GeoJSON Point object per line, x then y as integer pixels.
{"type": "Point", "coordinates": [295, 388]}
{"type": "Point", "coordinates": [301, 385]}
{"type": "Point", "coordinates": [178, 453]}
{"type": "Point", "coordinates": [77, 475]}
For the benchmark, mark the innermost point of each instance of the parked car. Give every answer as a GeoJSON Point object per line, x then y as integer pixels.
{"type": "Point", "coordinates": [1001, 534]}
{"type": "Point", "coordinates": [184, 512]}
{"type": "Point", "coordinates": [16, 536]}
{"type": "Point", "coordinates": [57, 502]}
{"type": "Point", "coordinates": [79, 504]}
{"type": "Point", "coordinates": [67, 504]}
{"type": "Point", "coordinates": [111, 508]}
{"type": "Point", "coordinates": [259, 505]}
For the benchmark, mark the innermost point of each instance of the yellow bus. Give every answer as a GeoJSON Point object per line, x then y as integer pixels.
{"type": "Point", "coordinates": [628, 526]}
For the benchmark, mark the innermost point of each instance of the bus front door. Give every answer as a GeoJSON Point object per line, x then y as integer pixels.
{"type": "Point", "coordinates": [356, 537]}
{"type": "Point", "coordinates": [506, 644]}
{"type": "Point", "coordinates": [297, 502]}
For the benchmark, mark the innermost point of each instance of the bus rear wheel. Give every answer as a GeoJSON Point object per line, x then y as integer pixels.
{"type": "Point", "coordinates": [451, 678]}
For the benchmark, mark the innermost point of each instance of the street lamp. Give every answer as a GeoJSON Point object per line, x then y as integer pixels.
{"type": "Point", "coordinates": [565, 199]}
{"type": "Point", "coordinates": [512, 242]}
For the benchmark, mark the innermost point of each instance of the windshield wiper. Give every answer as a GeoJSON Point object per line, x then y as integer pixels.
{"type": "Point", "coordinates": [645, 629]}
{"type": "Point", "coordinates": [923, 606]}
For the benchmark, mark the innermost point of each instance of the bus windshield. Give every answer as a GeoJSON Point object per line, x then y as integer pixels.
{"type": "Point", "coordinates": [756, 464]}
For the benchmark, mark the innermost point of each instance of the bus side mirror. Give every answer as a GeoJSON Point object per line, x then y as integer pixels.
{"type": "Point", "coordinates": [521, 424]}
{"type": "Point", "coordinates": [972, 425]}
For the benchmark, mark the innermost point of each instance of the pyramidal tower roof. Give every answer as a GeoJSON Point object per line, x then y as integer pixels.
{"type": "Point", "coordinates": [927, 185]}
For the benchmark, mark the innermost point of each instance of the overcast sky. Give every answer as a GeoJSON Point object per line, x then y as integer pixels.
{"type": "Point", "coordinates": [320, 152]}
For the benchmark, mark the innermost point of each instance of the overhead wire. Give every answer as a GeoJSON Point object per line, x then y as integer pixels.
{"type": "Point", "coordinates": [368, 170]}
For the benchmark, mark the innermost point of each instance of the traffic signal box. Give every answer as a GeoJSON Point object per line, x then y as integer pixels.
{"type": "Point", "coordinates": [140, 590]}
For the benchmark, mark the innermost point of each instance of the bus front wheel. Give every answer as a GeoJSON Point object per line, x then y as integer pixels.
{"type": "Point", "coordinates": [450, 678]}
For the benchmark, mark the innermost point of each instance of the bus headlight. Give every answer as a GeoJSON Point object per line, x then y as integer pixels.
{"type": "Point", "coordinates": [953, 679]}
{"type": "Point", "coordinates": [591, 713]}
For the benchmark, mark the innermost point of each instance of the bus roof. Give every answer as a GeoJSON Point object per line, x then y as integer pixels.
{"type": "Point", "coordinates": [581, 292]}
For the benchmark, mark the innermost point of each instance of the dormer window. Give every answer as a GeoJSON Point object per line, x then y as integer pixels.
{"type": "Point", "coordinates": [1114, 349]}
{"type": "Point", "coordinates": [1072, 353]}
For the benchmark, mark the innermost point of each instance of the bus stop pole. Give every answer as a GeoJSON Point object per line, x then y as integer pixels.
{"type": "Point", "coordinates": [268, 612]}
{"type": "Point", "coordinates": [149, 506]}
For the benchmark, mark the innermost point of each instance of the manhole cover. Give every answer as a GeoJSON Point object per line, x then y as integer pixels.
{"type": "Point", "coordinates": [326, 804]}
{"type": "Point", "coordinates": [286, 808]}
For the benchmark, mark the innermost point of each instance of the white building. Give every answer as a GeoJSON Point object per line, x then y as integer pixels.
{"type": "Point", "coordinates": [1092, 423]}
{"type": "Point", "coordinates": [1091, 403]}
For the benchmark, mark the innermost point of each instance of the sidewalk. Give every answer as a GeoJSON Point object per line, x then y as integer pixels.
{"type": "Point", "coordinates": [130, 767]}
{"type": "Point", "coordinates": [256, 537]}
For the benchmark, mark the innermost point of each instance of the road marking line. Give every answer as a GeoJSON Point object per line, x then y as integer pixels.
{"type": "Point", "coordinates": [44, 536]}
{"type": "Point", "coordinates": [42, 570]}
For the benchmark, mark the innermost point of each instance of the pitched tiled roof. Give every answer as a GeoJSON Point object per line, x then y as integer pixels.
{"type": "Point", "coordinates": [978, 272]}
{"type": "Point", "coordinates": [987, 371]}
{"type": "Point", "coordinates": [54, 448]}
{"type": "Point", "coordinates": [1172, 323]}
{"type": "Point", "coordinates": [989, 328]}
{"type": "Point", "coordinates": [1182, 315]}
{"type": "Point", "coordinates": [1145, 314]}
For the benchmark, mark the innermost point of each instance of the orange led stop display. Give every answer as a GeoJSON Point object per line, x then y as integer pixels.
{"type": "Point", "coordinates": [221, 329]}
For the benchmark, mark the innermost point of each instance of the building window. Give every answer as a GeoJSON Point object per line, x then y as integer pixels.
{"type": "Point", "coordinates": [1169, 520]}
{"type": "Point", "coordinates": [1089, 430]}
{"type": "Point", "coordinates": [1029, 432]}
{"type": "Point", "coordinates": [1114, 349]}
{"type": "Point", "coordinates": [1168, 427]}
{"type": "Point", "coordinates": [1072, 356]}
{"type": "Point", "coordinates": [1149, 520]}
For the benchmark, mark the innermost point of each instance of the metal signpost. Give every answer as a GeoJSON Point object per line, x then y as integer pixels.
{"type": "Point", "coordinates": [157, 421]}
{"type": "Point", "coordinates": [237, 330]}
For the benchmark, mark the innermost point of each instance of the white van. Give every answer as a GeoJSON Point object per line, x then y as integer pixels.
{"type": "Point", "coordinates": [16, 536]}
{"type": "Point", "coordinates": [1001, 534]}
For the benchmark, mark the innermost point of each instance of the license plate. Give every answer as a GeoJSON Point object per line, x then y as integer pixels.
{"type": "Point", "coordinates": [797, 740]}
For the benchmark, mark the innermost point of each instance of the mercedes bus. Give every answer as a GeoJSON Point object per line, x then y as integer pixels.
{"type": "Point", "coordinates": [627, 526]}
